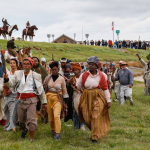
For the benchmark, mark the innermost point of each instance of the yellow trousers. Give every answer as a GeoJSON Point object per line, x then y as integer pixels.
{"type": "Point", "coordinates": [54, 115]}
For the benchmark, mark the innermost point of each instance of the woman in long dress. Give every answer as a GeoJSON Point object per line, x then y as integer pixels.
{"type": "Point", "coordinates": [55, 83]}
{"type": "Point", "coordinates": [10, 99]}
{"type": "Point", "coordinates": [76, 68]}
{"type": "Point", "coordinates": [95, 100]}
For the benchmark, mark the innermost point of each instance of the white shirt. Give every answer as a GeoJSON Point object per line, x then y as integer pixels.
{"type": "Point", "coordinates": [93, 82]}
{"type": "Point", "coordinates": [61, 71]}
{"type": "Point", "coordinates": [30, 85]}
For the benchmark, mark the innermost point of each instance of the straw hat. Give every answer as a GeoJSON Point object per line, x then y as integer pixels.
{"type": "Point", "coordinates": [123, 63]}
{"type": "Point", "coordinates": [120, 62]}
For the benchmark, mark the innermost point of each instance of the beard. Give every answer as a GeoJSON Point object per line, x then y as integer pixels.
{"type": "Point", "coordinates": [26, 70]}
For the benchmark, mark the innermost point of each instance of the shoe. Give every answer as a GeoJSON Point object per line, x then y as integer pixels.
{"type": "Point", "coordinates": [31, 140]}
{"type": "Point", "coordinates": [57, 137]}
{"type": "Point", "coordinates": [82, 127]}
{"type": "Point", "coordinates": [23, 134]}
{"type": "Point", "coordinates": [131, 103]}
{"type": "Point", "coordinates": [115, 100]}
{"type": "Point", "coordinates": [94, 141]}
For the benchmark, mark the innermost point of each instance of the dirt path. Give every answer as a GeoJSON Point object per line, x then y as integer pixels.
{"type": "Point", "coordinates": [139, 78]}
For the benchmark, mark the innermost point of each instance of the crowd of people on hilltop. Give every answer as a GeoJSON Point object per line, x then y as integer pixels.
{"type": "Point", "coordinates": [120, 44]}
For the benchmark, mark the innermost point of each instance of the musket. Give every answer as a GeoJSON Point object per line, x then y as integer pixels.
{"type": "Point", "coordinates": [52, 57]}
{"type": "Point", "coordinates": [71, 84]}
{"type": "Point", "coordinates": [107, 65]}
{"type": "Point", "coordinates": [3, 61]}
{"type": "Point", "coordinates": [4, 70]}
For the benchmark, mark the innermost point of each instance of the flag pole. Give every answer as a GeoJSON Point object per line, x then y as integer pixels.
{"type": "Point", "coordinates": [113, 34]}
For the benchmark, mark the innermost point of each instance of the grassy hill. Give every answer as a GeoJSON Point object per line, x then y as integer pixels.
{"type": "Point", "coordinates": [76, 52]}
{"type": "Point", "coordinates": [130, 130]}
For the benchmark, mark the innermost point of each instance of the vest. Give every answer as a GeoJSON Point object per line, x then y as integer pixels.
{"type": "Point", "coordinates": [102, 84]}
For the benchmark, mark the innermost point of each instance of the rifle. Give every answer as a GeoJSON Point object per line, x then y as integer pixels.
{"type": "Point", "coordinates": [4, 70]}
{"type": "Point", "coordinates": [109, 85]}
{"type": "Point", "coordinates": [52, 57]}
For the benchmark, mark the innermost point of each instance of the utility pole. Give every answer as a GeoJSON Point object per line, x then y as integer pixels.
{"type": "Point", "coordinates": [82, 34]}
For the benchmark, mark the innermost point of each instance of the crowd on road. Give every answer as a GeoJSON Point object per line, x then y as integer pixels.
{"type": "Point", "coordinates": [145, 45]}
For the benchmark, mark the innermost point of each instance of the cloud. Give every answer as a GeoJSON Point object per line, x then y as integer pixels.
{"type": "Point", "coordinates": [69, 16]}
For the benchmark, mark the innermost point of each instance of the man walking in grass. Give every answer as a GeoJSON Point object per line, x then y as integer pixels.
{"type": "Point", "coordinates": [28, 85]}
{"type": "Point", "coordinates": [146, 75]}
{"type": "Point", "coordinates": [125, 77]}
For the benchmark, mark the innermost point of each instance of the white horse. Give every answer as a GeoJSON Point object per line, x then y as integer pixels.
{"type": "Point", "coordinates": [9, 31]}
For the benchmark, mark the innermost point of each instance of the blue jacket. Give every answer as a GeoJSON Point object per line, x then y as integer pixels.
{"type": "Point", "coordinates": [125, 78]}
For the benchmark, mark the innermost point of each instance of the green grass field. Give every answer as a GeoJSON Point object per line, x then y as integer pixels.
{"type": "Point", "coordinates": [130, 130]}
{"type": "Point", "coordinates": [77, 52]}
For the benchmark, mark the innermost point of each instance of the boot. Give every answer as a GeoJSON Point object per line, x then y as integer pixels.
{"type": "Point", "coordinates": [3, 122]}
{"type": "Point", "coordinates": [24, 133]}
{"type": "Point", "coordinates": [57, 137]}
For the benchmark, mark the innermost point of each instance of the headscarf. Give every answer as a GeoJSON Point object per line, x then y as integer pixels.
{"type": "Point", "coordinates": [63, 60]}
{"type": "Point", "coordinates": [93, 59]}
{"type": "Point", "coordinates": [76, 65]}
{"type": "Point", "coordinates": [29, 59]}
{"type": "Point", "coordinates": [43, 59]}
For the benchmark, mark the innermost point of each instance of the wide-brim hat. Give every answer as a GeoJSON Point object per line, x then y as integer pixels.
{"type": "Point", "coordinates": [124, 63]}
{"type": "Point", "coordinates": [120, 62]}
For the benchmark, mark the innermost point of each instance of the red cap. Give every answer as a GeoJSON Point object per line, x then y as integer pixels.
{"type": "Point", "coordinates": [30, 60]}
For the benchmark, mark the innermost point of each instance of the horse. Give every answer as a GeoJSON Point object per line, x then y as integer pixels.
{"type": "Point", "coordinates": [30, 33]}
{"type": "Point", "coordinates": [9, 32]}
{"type": "Point", "coordinates": [21, 54]}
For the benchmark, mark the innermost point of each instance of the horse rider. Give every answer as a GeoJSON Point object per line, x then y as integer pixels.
{"type": "Point", "coordinates": [5, 24]}
{"type": "Point", "coordinates": [27, 27]}
{"type": "Point", "coordinates": [11, 46]}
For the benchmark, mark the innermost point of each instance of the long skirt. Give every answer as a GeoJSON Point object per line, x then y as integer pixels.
{"type": "Point", "coordinates": [75, 104]}
{"type": "Point", "coordinates": [92, 109]}
{"type": "Point", "coordinates": [8, 110]}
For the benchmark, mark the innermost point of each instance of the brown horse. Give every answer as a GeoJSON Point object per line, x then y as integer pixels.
{"type": "Point", "coordinates": [21, 54]}
{"type": "Point", "coordinates": [10, 30]}
{"type": "Point", "coordinates": [30, 33]}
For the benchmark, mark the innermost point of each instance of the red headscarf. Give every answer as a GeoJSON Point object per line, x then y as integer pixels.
{"type": "Point", "coordinates": [30, 60]}
{"type": "Point", "coordinates": [76, 65]}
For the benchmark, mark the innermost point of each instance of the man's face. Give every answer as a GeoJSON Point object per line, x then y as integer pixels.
{"type": "Point", "coordinates": [63, 64]}
{"type": "Point", "coordinates": [43, 62]}
{"type": "Point", "coordinates": [27, 65]}
{"type": "Point", "coordinates": [35, 62]}
{"type": "Point", "coordinates": [76, 71]}
{"type": "Point", "coordinates": [124, 67]}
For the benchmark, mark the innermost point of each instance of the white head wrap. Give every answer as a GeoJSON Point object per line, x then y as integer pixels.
{"type": "Point", "coordinates": [63, 60]}
{"type": "Point", "coordinates": [43, 59]}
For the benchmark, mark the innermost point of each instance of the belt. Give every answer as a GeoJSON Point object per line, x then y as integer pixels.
{"type": "Point", "coordinates": [25, 95]}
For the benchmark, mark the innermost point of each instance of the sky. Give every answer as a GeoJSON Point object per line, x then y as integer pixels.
{"type": "Point", "coordinates": [131, 17]}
